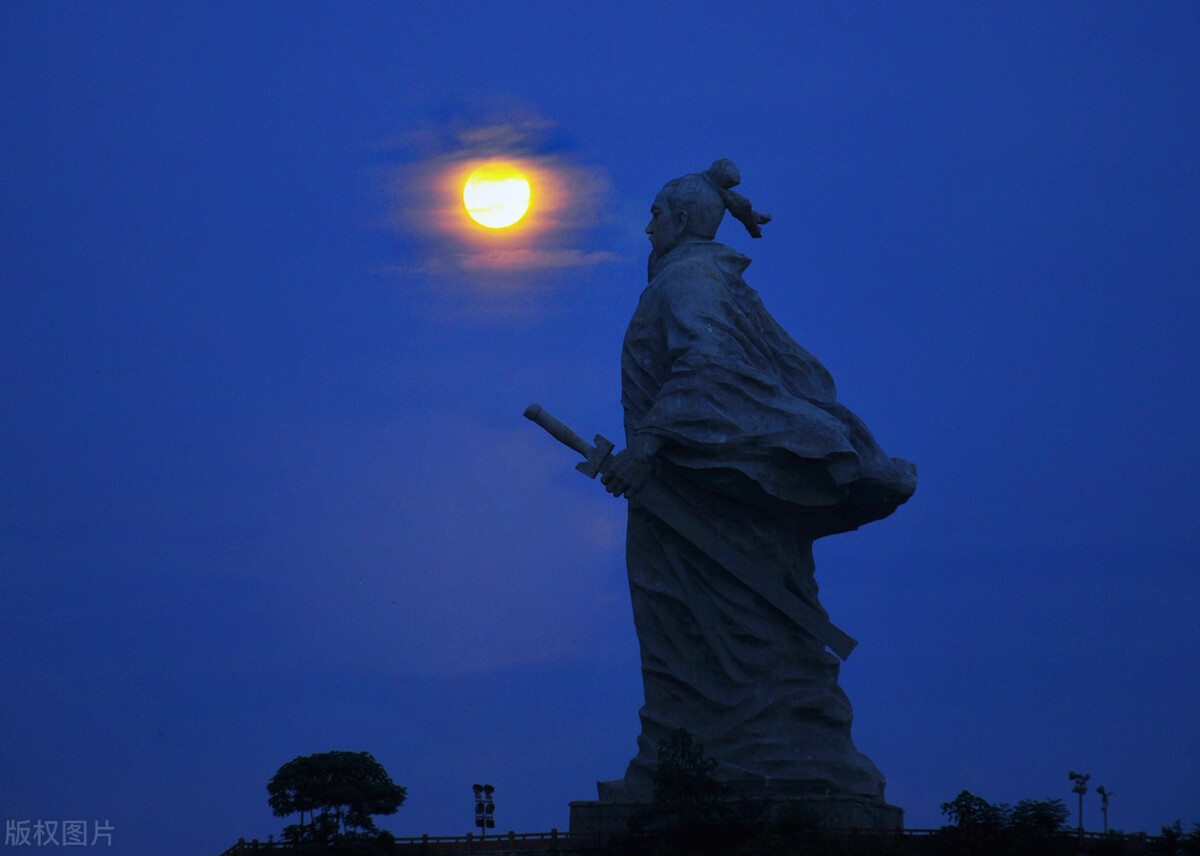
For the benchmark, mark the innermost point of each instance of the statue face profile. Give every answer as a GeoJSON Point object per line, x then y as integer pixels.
{"type": "Point", "coordinates": [668, 223]}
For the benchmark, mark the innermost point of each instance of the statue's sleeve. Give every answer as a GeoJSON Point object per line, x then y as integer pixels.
{"type": "Point", "coordinates": [722, 404]}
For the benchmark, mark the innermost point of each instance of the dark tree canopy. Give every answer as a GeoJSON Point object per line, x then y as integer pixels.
{"type": "Point", "coordinates": [691, 811]}
{"type": "Point", "coordinates": [1034, 827]}
{"type": "Point", "coordinates": [1038, 817]}
{"type": "Point", "coordinates": [969, 812]}
{"type": "Point", "coordinates": [683, 780]}
{"type": "Point", "coordinates": [340, 791]}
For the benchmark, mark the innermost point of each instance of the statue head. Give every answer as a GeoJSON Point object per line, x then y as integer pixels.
{"type": "Point", "coordinates": [692, 207]}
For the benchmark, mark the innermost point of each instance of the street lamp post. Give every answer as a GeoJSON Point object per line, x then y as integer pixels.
{"type": "Point", "coordinates": [485, 808]}
{"type": "Point", "coordinates": [1104, 795]}
{"type": "Point", "coordinates": [1080, 787]}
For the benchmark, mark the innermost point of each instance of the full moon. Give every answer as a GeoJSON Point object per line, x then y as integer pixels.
{"type": "Point", "coordinates": [496, 195]}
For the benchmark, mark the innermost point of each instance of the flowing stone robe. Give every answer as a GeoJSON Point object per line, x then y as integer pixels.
{"type": "Point", "coordinates": [759, 447]}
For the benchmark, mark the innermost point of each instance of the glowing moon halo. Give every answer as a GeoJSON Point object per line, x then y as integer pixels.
{"type": "Point", "coordinates": [496, 195]}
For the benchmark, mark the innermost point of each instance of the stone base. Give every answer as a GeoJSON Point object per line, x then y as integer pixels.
{"type": "Point", "coordinates": [599, 821]}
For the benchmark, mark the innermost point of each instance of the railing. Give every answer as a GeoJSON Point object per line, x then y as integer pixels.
{"type": "Point", "coordinates": [552, 840]}
{"type": "Point", "coordinates": [469, 843]}
{"type": "Point", "coordinates": [555, 840]}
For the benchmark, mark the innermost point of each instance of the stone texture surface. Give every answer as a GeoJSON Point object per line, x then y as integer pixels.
{"type": "Point", "coordinates": [725, 412]}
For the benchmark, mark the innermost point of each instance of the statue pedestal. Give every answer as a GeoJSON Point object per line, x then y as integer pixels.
{"type": "Point", "coordinates": [600, 821]}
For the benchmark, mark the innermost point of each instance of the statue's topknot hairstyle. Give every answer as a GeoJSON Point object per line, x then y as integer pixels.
{"type": "Point", "coordinates": [706, 195]}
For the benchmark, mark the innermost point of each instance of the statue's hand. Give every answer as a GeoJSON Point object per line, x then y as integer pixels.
{"type": "Point", "coordinates": [631, 467]}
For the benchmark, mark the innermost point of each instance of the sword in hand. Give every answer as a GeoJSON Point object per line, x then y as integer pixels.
{"type": "Point", "coordinates": [599, 459]}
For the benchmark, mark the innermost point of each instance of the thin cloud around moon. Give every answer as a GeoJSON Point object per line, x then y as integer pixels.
{"type": "Point", "coordinates": [532, 258]}
{"type": "Point", "coordinates": [568, 202]}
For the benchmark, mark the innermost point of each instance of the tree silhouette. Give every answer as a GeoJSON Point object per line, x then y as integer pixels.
{"type": "Point", "coordinates": [975, 814]}
{"type": "Point", "coordinates": [1038, 817]}
{"type": "Point", "coordinates": [340, 791]}
{"type": "Point", "coordinates": [690, 812]}
{"type": "Point", "coordinates": [683, 780]}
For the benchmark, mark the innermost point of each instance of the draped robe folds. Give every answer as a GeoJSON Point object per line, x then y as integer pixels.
{"type": "Point", "coordinates": [758, 446]}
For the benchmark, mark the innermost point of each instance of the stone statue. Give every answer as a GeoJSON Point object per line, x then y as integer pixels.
{"type": "Point", "coordinates": [737, 429]}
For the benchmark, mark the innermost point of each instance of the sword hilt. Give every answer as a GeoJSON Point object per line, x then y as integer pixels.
{"type": "Point", "coordinates": [595, 456]}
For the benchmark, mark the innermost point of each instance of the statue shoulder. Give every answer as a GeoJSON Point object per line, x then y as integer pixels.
{"type": "Point", "coordinates": [690, 279]}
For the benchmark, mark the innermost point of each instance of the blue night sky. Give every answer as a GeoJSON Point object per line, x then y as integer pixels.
{"type": "Point", "coordinates": [265, 488]}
